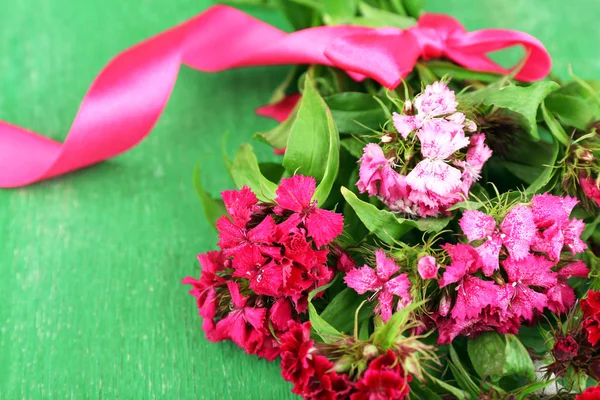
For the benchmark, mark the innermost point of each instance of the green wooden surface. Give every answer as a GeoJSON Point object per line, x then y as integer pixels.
{"type": "Point", "coordinates": [90, 264]}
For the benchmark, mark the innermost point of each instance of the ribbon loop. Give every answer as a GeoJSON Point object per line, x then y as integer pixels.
{"type": "Point", "coordinates": [128, 96]}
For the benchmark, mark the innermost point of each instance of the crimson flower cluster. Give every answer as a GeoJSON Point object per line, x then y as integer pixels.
{"type": "Point", "coordinates": [510, 272]}
{"type": "Point", "coordinates": [314, 375]}
{"type": "Point", "coordinates": [591, 316]}
{"type": "Point", "coordinates": [271, 256]}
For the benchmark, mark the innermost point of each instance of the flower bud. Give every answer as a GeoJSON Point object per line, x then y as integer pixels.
{"type": "Point", "coordinates": [408, 108]}
{"type": "Point", "coordinates": [470, 126]}
{"type": "Point", "coordinates": [584, 154]}
{"type": "Point", "coordinates": [387, 138]}
{"type": "Point", "coordinates": [427, 267]}
{"type": "Point", "coordinates": [343, 364]}
{"type": "Point", "coordinates": [565, 349]}
{"type": "Point", "coordinates": [445, 304]}
{"type": "Point", "coordinates": [370, 352]}
{"type": "Point", "coordinates": [457, 118]}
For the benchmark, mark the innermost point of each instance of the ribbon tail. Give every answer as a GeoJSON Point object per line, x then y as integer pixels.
{"type": "Point", "coordinates": [128, 96]}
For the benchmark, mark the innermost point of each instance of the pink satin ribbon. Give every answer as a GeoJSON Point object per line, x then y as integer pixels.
{"type": "Point", "coordinates": [128, 96]}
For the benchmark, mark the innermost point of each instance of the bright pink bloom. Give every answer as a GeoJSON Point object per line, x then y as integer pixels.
{"type": "Point", "coordinates": [590, 188]}
{"type": "Point", "coordinates": [366, 279]}
{"type": "Point", "coordinates": [244, 325]}
{"type": "Point", "coordinates": [551, 213]}
{"type": "Point", "coordinates": [523, 277]}
{"type": "Point", "coordinates": [295, 194]}
{"type": "Point", "coordinates": [472, 294]}
{"type": "Point", "coordinates": [517, 232]}
{"type": "Point", "coordinates": [384, 379]}
{"type": "Point", "coordinates": [427, 267]}
{"type": "Point", "coordinates": [204, 290]}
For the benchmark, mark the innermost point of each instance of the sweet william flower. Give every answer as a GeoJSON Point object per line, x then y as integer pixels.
{"type": "Point", "coordinates": [591, 316]}
{"type": "Point", "coordinates": [427, 267]}
{"type": "Point", "coordinates": [435, 100]}
{"type": "Point", "coordinates": [590, 188]}
{"type": "Point", "coordinates": [517, 232]}
{"type": "Point", "coordinates": [296, 195]}
{"type": "Point", "coordinates": [376, 175]}
{"type": "Point", "coordinates": [591, 393]}
{"type": "Point", "coordinates": [380, 281]}
{"type": "Point", "coordinates": [552, 214]}
{"type": "Point", "coordinates": [565, 349]}
{"type": "Point", "coordinates": [383, 379]}
{"type": "Point", "coordinates": [472, 294]}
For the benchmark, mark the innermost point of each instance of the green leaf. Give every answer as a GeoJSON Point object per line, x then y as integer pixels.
{"type": "Point", "coordinates": [246, 172]}
{"type": "Point", "coordinates": [570, 110]}
{"type": "Point", "coordinates": [278, 136]}
{"type": "Point", "coordinates": [414, 8]}
{"type": "Point", "coordinates": [213, 208]}
{"type": "Point", "coordinates": [321, 327]}
{"type": "Point", "coordinates": [458, 393]}
{"type": "Point", "coordinates": [300, 16]}
{"type": "Point", "coordinates": [382, 223]}
{"type": "Point", "coordinates": [353, 146]}
{"type": "Point", "coordinates": [387, 335]}
{"type": "Point", "coordinates": [378, 18]}
{"type": "Point", "coordinates": [355, 112]}
{"type": "Point", "coordinates": [494, 356]}
{"type": "Point", "coordinates": [463, 378]}
{"type": "Point", "coordinates": [555, 128]}
{"type": "Point", "coordinates": [313, 145]}
{"type": "Point", "coordinates": [523, 392]}
{"type": "Point", "coordinates": [524, 101]}
{"type": "Point", "coordinates": [385, 225]}
{"type": "Point", "coordinates": [339, 11]}
{"type": "Point", "coordinates": [340, 310]}
{"type": "Point", "coordinates": [420, 391]}
{"type": "Point", "coordinates": [441, 68]}
{"type": "Point", "coordinates": [544, 178]}
{"type": "Point", "coordinates": [318, 290]}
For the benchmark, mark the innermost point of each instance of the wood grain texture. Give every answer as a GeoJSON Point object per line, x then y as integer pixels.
{"type": "Point", "coordinates": [90, 264]}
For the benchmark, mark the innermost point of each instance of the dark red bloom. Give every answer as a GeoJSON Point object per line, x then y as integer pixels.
{"type": "Point", "coordinates": [565, 349]}
{"type": "Point", "coordinates": [591, 316]}
{"type": "Point", "coordinates": [295, 347]}
{"type": "Point", "coordinates": [384, 379]}
{"type": "Point", "coordinates": [592, 393]}
{"type": "Point", "coordinates": [311, 373]}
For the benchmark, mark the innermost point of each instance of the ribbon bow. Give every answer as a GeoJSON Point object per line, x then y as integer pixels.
{"type": "Point", "coordinates": [128, 96]}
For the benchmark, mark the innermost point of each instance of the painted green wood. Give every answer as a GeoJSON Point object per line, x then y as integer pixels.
{"type": "Point", "coordinates": [90, 264]}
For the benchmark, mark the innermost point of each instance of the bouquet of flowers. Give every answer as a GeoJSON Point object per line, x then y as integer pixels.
{"type": "Point", "coordinates": [430, 239]}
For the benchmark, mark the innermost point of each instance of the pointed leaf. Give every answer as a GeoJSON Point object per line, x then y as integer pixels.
{"type": "Point", "coordinates": [213, 208]}
{"type": "Point", "coordinates": [246, 172]}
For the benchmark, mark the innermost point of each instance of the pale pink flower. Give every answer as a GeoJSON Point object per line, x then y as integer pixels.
{"type": "Point", "coordinates": [376, 175]}
{"type": "Point", "coordinates": [436, 100]}
{"type": "Point", "coordinates": [427, 267]}
{"type": "Point", "coordinates": [435, 176]}
{"type": "Point", "coordinates": [380, 281]}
